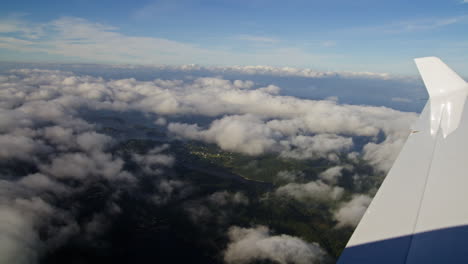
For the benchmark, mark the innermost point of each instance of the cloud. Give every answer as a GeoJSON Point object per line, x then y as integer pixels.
{"type": "Point", "coordinates": [290, 176]}
{"type": "Point", "coordinates": [70, 36]}
{"type": "Point", "coordinates": [20, 147]}
{"type": "Point", "coordinates": [284, 71]}
{"type": "Point", "coordinates": [160, 8]}
{"type": "Point", "coordinates": [382, 155]}
{"type": "Point", "coordinates": [332, 174]}
{"type": "Point", "coordinates": [19, 241]}
{"type": "Point", "coordinates": [245, 134]}
{"type": "Point", "coordinates": [168, 189]}
{"type": "Point", "coordinates": [314, 190]}
{"type": "Point", "coordinates": [422, 24]}
{"type": "Point", "coordinates": [82, 165]}
{"type": "Point", "coordinates": [42, 183]}
{"type": "Point", "coordinates": [15, 23]}
{"type": "Point", "coordinates": [152, 161]}
{"type": "Point", "coordinates": [257, 39]}
{"type": "Point", "coordinates": [222, 198]}
{"type": "Point", "coordinates": [250, 135]}
{"type": "Point", "coordinates": [23, 214]}
{"type": "Point", "coordinates": [432, 24]}
{"type": "Point", "coordinates": [217, 207]}
{"type": "Point", "coordinates": [351, 212]}
{"type": "Point", "coordinates": [401, 100]}
{"type": "Point", "coordinates": [257, 244]}
{"type": "Point", "coordinates": [313, 147]}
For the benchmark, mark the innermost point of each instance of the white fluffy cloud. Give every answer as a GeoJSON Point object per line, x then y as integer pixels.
{"type": "Point", "coordinates": [318, 146]}
{"type": "Point", "coordinates": [257, 244]}
{"type": "Point", "coordinates": [252, 120]}
{"type": "Point", "coordinates": [351, 212]}
{"type": "Point", "coordinates": [257, 121]}
{"type": "Point", "coordinates": [332, 174]}
{"type": "Point", "coordinates": [247, 134]}
{"type": "Point", "coordinates": [383, 155]}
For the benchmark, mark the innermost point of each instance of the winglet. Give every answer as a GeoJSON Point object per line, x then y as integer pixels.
{"type": "Point", "coordinates": [438, 77]}
{"type": "Point", "coordinates": [447, 92]}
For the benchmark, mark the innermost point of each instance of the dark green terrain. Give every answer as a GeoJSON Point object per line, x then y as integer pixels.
{"type": "Point", "coordinates": [187, 228]}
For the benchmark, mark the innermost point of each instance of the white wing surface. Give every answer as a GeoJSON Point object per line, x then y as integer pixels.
{"type": "Point", "coordinates": [420, 213]}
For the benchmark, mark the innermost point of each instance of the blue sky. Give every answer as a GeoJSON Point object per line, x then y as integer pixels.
{"type": "Point", "coordinates": [360, 35]}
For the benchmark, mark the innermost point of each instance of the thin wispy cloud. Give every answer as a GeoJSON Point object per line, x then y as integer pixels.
{"type": "Point", "coordinates": [428, 24]}
{"type": "Point", "coordinates": [258, 39]}
{"type": "Point", "coordinates": [311, 34]}
{"type": "Point", "coordinates": [158, 8]}
{"type": "Point", "coordinates": [425, 24]}
{"type": "Point", "coordinates": [15, 24]}
{"type": "Point", "coordinates": [84, 40]}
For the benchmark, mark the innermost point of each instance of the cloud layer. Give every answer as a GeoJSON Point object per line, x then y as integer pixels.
{"type": "Point", "coordinates": [253, 120]}
{"type": "Point", "coordinates": [50, 155]}
{"type": "Point", "coordinates": [42, 128]}
{"type": "Point", "coordinates": [351, 212]}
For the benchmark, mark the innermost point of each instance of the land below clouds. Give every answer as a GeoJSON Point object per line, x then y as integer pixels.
{"type": "Point", "coordinates": [196, 222]}
{"type": "Point", "coordinates": [225, 171]}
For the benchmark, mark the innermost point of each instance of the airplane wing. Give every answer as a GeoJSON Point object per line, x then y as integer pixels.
{"type": "Point", "coordinates": [420, 213]}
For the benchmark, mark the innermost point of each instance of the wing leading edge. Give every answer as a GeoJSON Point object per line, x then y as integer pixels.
{"type": "Point", "coordinates": [419, 213]}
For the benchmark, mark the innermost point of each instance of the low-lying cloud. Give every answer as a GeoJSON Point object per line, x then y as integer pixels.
{"type": "Point", "coordinates": [257, 244]}
{"type": "Point", "coordinates": [351, 212]}
{"type": "Point", "coordinates": [253, 120]}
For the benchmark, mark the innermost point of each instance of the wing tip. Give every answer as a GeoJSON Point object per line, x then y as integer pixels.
{"type": "Point", "coordinates": [421, 60]}
{"type": "Point", "coordinates": [439, 78]}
